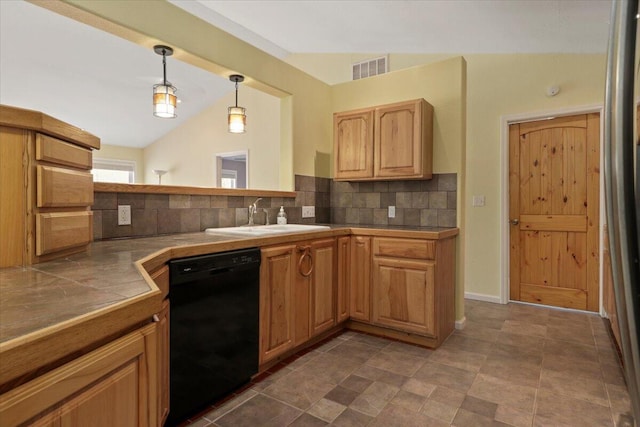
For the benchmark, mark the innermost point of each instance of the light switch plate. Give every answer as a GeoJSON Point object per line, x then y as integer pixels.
{"type": "Point", "coordinates": [308, 211]}
{"type": "Point", "coordinates": [124, 214]}
{"type": "Point", "coordinates": [478, 201]}
{"type": "Point", "coordinates": [392, 212]}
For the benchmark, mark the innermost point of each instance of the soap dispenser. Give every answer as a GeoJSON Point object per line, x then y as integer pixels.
{"type": "Point", "coordinates": [282, 216]}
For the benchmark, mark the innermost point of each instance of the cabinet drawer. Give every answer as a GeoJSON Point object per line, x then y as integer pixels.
{"type": "Point", "coordinates": [57, 231]}
{"type": "Point", "coordinates": [54, 150]}
{"type": "Point", "coordinates": [58, 187]}
{"type": "Point", "coordinates": [404, 248]}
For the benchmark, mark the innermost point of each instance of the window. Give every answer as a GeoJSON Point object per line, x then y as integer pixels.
{"type": "Point", "coordinates": [108, 170]}
{"type": "Point", "coordinates": [229, 178]}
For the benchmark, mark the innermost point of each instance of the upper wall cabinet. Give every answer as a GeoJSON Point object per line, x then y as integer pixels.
{"type": "Point", "coordinates": [386, 142]}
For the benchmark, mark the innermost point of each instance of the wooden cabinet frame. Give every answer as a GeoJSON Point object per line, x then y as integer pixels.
{"type": "Point", "coordinates": [387, 142]}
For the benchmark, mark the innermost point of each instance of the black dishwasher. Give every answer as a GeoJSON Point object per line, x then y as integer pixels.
{"type": "Point", "coordinates": [214, 328]}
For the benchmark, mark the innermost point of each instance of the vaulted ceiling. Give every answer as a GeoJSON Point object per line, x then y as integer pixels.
{"type": "Point", "coordinates": [103, 84]}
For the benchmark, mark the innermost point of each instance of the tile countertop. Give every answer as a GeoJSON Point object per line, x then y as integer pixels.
{"type": "Point", "coordinates": [46, 294]}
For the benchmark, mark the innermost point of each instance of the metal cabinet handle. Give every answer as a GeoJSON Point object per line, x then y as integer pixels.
{"type": "Point", "coordinates": [515, 221]}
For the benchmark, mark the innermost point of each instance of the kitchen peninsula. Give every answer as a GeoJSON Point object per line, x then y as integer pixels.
{"type": "Point", "coordinates": [110, 293]}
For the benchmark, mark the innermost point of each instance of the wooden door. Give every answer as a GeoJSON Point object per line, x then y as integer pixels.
{"type": "Point", "coordinates": [344, 268]}
{"type": "Point", "coordinates": [277, 277]}
{"type": "Point", "coordinates": [403, 294]}
{"type": "Point", "coordinates": [353, 144]}
{"type": "Point", "coordinates": [360, 278]}
{"type": "Point", "coordinates": [398, 140]}
{"type": "Point", "coordinates": [554, 211]}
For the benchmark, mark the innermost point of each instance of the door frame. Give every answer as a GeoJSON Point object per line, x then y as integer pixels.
{"type": "Point", "coordinates": [507, 120]}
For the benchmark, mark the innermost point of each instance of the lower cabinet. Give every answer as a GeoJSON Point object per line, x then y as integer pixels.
{"type": "Point", "coordinates": [413, 286]}
{"type": "Point", "coordinates": [403, 295]}
{"type": "Point", "coordinates": [343, 272]}
{"type": "Point", "coordinates": [315, 288]}
{"type": "Point", "coordinates": [277, 279]}
{"type": "Point", "coordinates": [115, 385]}
{"type": "Point", "coordinates": [297, 294]}
{"type": "Point", "coordinates": [360, 278]}
{"type": "Point", "coordinates": [163, 361]}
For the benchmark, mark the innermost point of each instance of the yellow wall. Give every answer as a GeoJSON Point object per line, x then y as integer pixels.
{"type": "Point", "coordinates": [306, 149]}
{"type": "Point", "coordinates": [443, 85]}
{"type": "Point", "coordinates": [501, 85]}
{"type": "Point", "coordinates": [335, 68]}
{"type": "Point", "coordinates": [115, 152]}
{"type": "Point", "coordinates": [188, 151]}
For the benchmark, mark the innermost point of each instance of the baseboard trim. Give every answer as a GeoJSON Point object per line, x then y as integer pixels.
{"type": "Point", "coordinates": [460, 324]}
{"type": "Point", "coordinates": [482, 297]}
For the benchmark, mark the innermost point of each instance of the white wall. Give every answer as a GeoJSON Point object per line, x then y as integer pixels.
{"type": "Point", "coordinates": [188, 152]}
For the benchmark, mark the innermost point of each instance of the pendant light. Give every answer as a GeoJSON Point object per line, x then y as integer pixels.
{"type": "Point", "coordinates": [164, 94]}
{"type": "Point", "coordinates": [237, 116]}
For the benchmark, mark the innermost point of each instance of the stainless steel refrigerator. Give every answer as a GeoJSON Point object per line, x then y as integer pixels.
{"type": "Point", "coordinates": [622, 183]}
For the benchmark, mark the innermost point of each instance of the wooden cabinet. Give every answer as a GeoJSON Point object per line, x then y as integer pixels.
{"type": "Point", "coordinates": [46, 188]}
{"type": "Point", "coordinates": [413, 286]}
{"type": "Point", "coordinates": [162, 325]}
{"type": "Point", "coordinates": [609, 299]}
{"type": "Point", "coordinates": [277, 279]}
{"type": "Point", "coordinates": [353, 144]}
{"type": "Point", "coordinates": [403, 294]}
{"type": "Point", "coordinates": [397, 145]}
{"type": "Point", "coordinates": [360, 278]}
{"type": "Point", "coordinates": [315, 288]}
{"type": "Point", "coordinates": [297, 294]}
{"type": "Point", "coordinates": [343, 271]}
{"type": "Point", "coordinates": [113, 385]}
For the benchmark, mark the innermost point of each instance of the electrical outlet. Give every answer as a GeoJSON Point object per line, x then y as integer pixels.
{"type": "Point", "coordinates": [478, 201]}
{"type": "Point", "coordinates": [308, 211]}
{"type": "Point", "coordinates": [124, 215]}
{"type": "Point", "coordinates": [392, 212]}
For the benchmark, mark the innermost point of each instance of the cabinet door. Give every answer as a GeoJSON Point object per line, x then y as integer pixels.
{"type": "Point", "coordinates": [302, 294]}
{"type": "Point", "coordinates": [163, 362]}
{"type": "Point", "coordinates": [323, 290]}
{"type": "Point", "coordinates": [360, 278]}
{"type": "Point", "coordinates": [353, 144]}
{"type": "Point", "coordinates": [402, 146]}
{"type": "Point", "coordinates": [115, 385]}
{"type": "Point", "coordinates": [403, 295]}
{"type": "Point", "coordinates": [344, 268]}
{"type": "Point", "coordinates": [276, 301]}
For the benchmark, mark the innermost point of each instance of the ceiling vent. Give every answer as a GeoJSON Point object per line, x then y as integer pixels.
{"type": "Point", "coordinates": [370, 67]}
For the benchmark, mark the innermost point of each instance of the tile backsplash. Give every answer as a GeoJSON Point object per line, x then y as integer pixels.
{"type": "Point", "coordinates": [418, 203]}
{"type": "Point", "coordinates": [425, 203]}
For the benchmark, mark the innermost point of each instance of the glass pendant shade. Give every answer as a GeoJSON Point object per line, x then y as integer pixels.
{"type": "Point", "coordinates": [237, 120]}
{"type": "Point", "coordinates": [237, 115]}
{"type": "Point", "coordinates": [164, 94]}
{"type": "Point", "coordinates": [164, 101]}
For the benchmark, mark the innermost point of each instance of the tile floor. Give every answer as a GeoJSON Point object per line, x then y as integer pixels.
{"type": "Point", "coordinates": [515, 365]}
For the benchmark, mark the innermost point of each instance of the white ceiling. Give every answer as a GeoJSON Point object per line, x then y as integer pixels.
{"type": "Point", "coordinates": [101, 83]}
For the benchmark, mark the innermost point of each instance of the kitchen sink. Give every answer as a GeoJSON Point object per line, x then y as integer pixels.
{"type": "Point", "coordinates": [267, 230]}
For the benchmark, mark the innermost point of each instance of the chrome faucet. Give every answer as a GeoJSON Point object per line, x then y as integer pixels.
{"type": "Point", "coordinates": [252, 210]}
